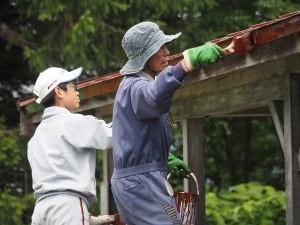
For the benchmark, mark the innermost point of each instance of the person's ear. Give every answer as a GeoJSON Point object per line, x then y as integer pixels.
{"type": "Point", "coordinates": [58, 92]}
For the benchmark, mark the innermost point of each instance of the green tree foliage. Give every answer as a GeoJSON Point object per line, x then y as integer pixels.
{"type": "Point", "coordinates": [15, 74]}
{"type": "Point", "coordinates": [239, 150]}
{"type": "Point", "coordinates": [15, 209]}
{"type": "Point", "coordinates": [16, 200]}
{"type": "Point", "coordinates": [249, 204]}
{"type": "Point", "coordinates": [88, 33]}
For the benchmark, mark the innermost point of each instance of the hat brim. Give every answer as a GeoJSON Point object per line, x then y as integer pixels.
{"type": "Point", "coordinates": [137, 63]}
{"type": "Point", "coordinates": [72, 75]}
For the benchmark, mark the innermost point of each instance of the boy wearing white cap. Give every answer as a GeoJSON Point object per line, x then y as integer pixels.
{"type": "Point", "coordinates": [62, 152]}
{"type": "Point", "coordinates": [141, 136]}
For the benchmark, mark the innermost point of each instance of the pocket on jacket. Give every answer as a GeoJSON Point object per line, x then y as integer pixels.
{"type": "Point", "coordinates": [131, 182]}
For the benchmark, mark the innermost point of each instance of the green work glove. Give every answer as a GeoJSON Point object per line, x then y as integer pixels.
{"type": "Point", "coordinates": [207, 53]}
{"type": "Point", "coordinates": [177, 168]}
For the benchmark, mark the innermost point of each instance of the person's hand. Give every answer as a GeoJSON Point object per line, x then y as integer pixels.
{"type": "Point", "coordinates": [207, 53]}
{"type": "Point", "coordinates": [101, 220]}
{"type": "Point", "coordinates": [177, 168]}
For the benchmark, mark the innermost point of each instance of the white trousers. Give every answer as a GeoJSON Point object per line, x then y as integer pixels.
{"type": "Point", "coordinates": [61, 210]}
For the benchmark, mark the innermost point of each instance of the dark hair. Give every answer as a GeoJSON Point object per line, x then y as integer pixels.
{"type": "Point", "coordinates": [49, 100]}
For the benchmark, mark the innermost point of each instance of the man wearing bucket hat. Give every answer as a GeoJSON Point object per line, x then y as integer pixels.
{"type": "Point", "coordinates": [62, 152]}
{"type": "Point", "coordinates": [141, 136]}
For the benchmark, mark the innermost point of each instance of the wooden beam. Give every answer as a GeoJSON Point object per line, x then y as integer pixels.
{"type": "Point", "coordinates": [237, 70]}
{"type": "Point", "coordinates": [229, 101]}
{"type": "Point", "coordinates": [193, 136]}
{"type": "Point", "coordinates": [97, 102]}
{"type": "Point", "coordinates": [292, 144]}
{"type": "Point", "coordinates": [276, 109]}
{"type": "Point", "coordinates": [261, 111]}
{"type": "Point", "coordinates": [193, 87]}
{"type": "Point", "coordinates": [284, 47]}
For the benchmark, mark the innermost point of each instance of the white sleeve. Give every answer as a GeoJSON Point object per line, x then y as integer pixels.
{"type": "Point", "coordinates": [89, 132]}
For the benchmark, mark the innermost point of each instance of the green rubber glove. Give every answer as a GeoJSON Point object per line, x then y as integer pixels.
{"type": "Point", "coordinates": [207, 53]}
{"type": "Point", "coordinates": [177, 168]}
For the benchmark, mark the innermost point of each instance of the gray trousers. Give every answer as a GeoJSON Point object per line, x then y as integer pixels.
{"type": "Point", "coordinates": [143, 199]}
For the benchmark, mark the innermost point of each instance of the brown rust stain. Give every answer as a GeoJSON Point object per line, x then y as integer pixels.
{"type": "Point", "coordinates": [280, 29]}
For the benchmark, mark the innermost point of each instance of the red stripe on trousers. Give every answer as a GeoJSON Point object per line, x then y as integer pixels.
{"type": "Point", "coordinates": [81, 211]}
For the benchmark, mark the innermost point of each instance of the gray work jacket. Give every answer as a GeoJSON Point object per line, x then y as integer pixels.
{"type": "Point", "coordinates": [141, 135]}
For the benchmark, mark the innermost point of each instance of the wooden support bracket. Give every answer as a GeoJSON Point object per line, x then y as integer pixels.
{"type": "Point", "coordinates": [276, 109]}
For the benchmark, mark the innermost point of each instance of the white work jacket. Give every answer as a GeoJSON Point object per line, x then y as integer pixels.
{"type": "Point", "coordinates": [62, 153]}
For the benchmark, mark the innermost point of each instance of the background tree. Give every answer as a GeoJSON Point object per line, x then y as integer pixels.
{"type": "Point", "coordinates": [15, 74]}
{"type": "Point", "coordinates": [241, 150]}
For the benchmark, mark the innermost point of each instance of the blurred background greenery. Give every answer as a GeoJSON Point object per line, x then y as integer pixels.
{"type": "Point", "coordinates": [244, 160]}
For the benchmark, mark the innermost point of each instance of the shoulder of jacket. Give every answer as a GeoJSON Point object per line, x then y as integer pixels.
{"type": "Point", "coordinates": [78, 116]}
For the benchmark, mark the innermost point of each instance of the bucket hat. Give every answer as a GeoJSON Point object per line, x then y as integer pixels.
{"type": "Point", "coordinates": [50, 78]}
{"type": "Point", "coordinates": [140, 42]}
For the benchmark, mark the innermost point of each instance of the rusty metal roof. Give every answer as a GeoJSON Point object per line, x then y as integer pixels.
{"type": "Point", "coordinates": [241, 42]}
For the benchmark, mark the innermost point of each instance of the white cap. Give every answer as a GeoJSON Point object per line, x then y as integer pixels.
{"type": "Point", "coordinates": [50, 78]}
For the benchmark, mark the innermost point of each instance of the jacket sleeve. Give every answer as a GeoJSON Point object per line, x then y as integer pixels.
{"type": "Point", "coordinates": [89, 132]}
{"type": "Point", "coordinates": [151, 99]}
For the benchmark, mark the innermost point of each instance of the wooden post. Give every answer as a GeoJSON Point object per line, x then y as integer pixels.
{"type": "Point", "coordinates": [193, 154]}
{"type": "Point", "coordinates": [292, 144]}
{"type": "Point", "coordinates": [107, 203]}
{"type": "Point", "coordinates": [26, 124]}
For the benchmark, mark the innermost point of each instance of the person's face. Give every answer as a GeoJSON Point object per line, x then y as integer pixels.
{"type": "Point", "coordinates": [70, 97]}
{"type": "Point", "coordinates": [159, 61]}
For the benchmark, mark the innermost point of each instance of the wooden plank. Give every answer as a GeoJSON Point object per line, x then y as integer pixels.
{"type": "Point", "coordinates": [96, 102]}
{"type": "Point", "coordinates": [292, 144]}
{"type": "Point", "coordinates": [276, 109]}
{"type": "Point", "coordinates": [193, 135]}
{"type": "Point", "coordinates": [229, 101]}
{"type": "Point", "coordinates": [102, 88]}
{"type": "Point", "coordinates": [193, 87]}
{"type": "Point", "coordinates": [261, 111]}
{"type": "Point", "coordinates": [32, 108]}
